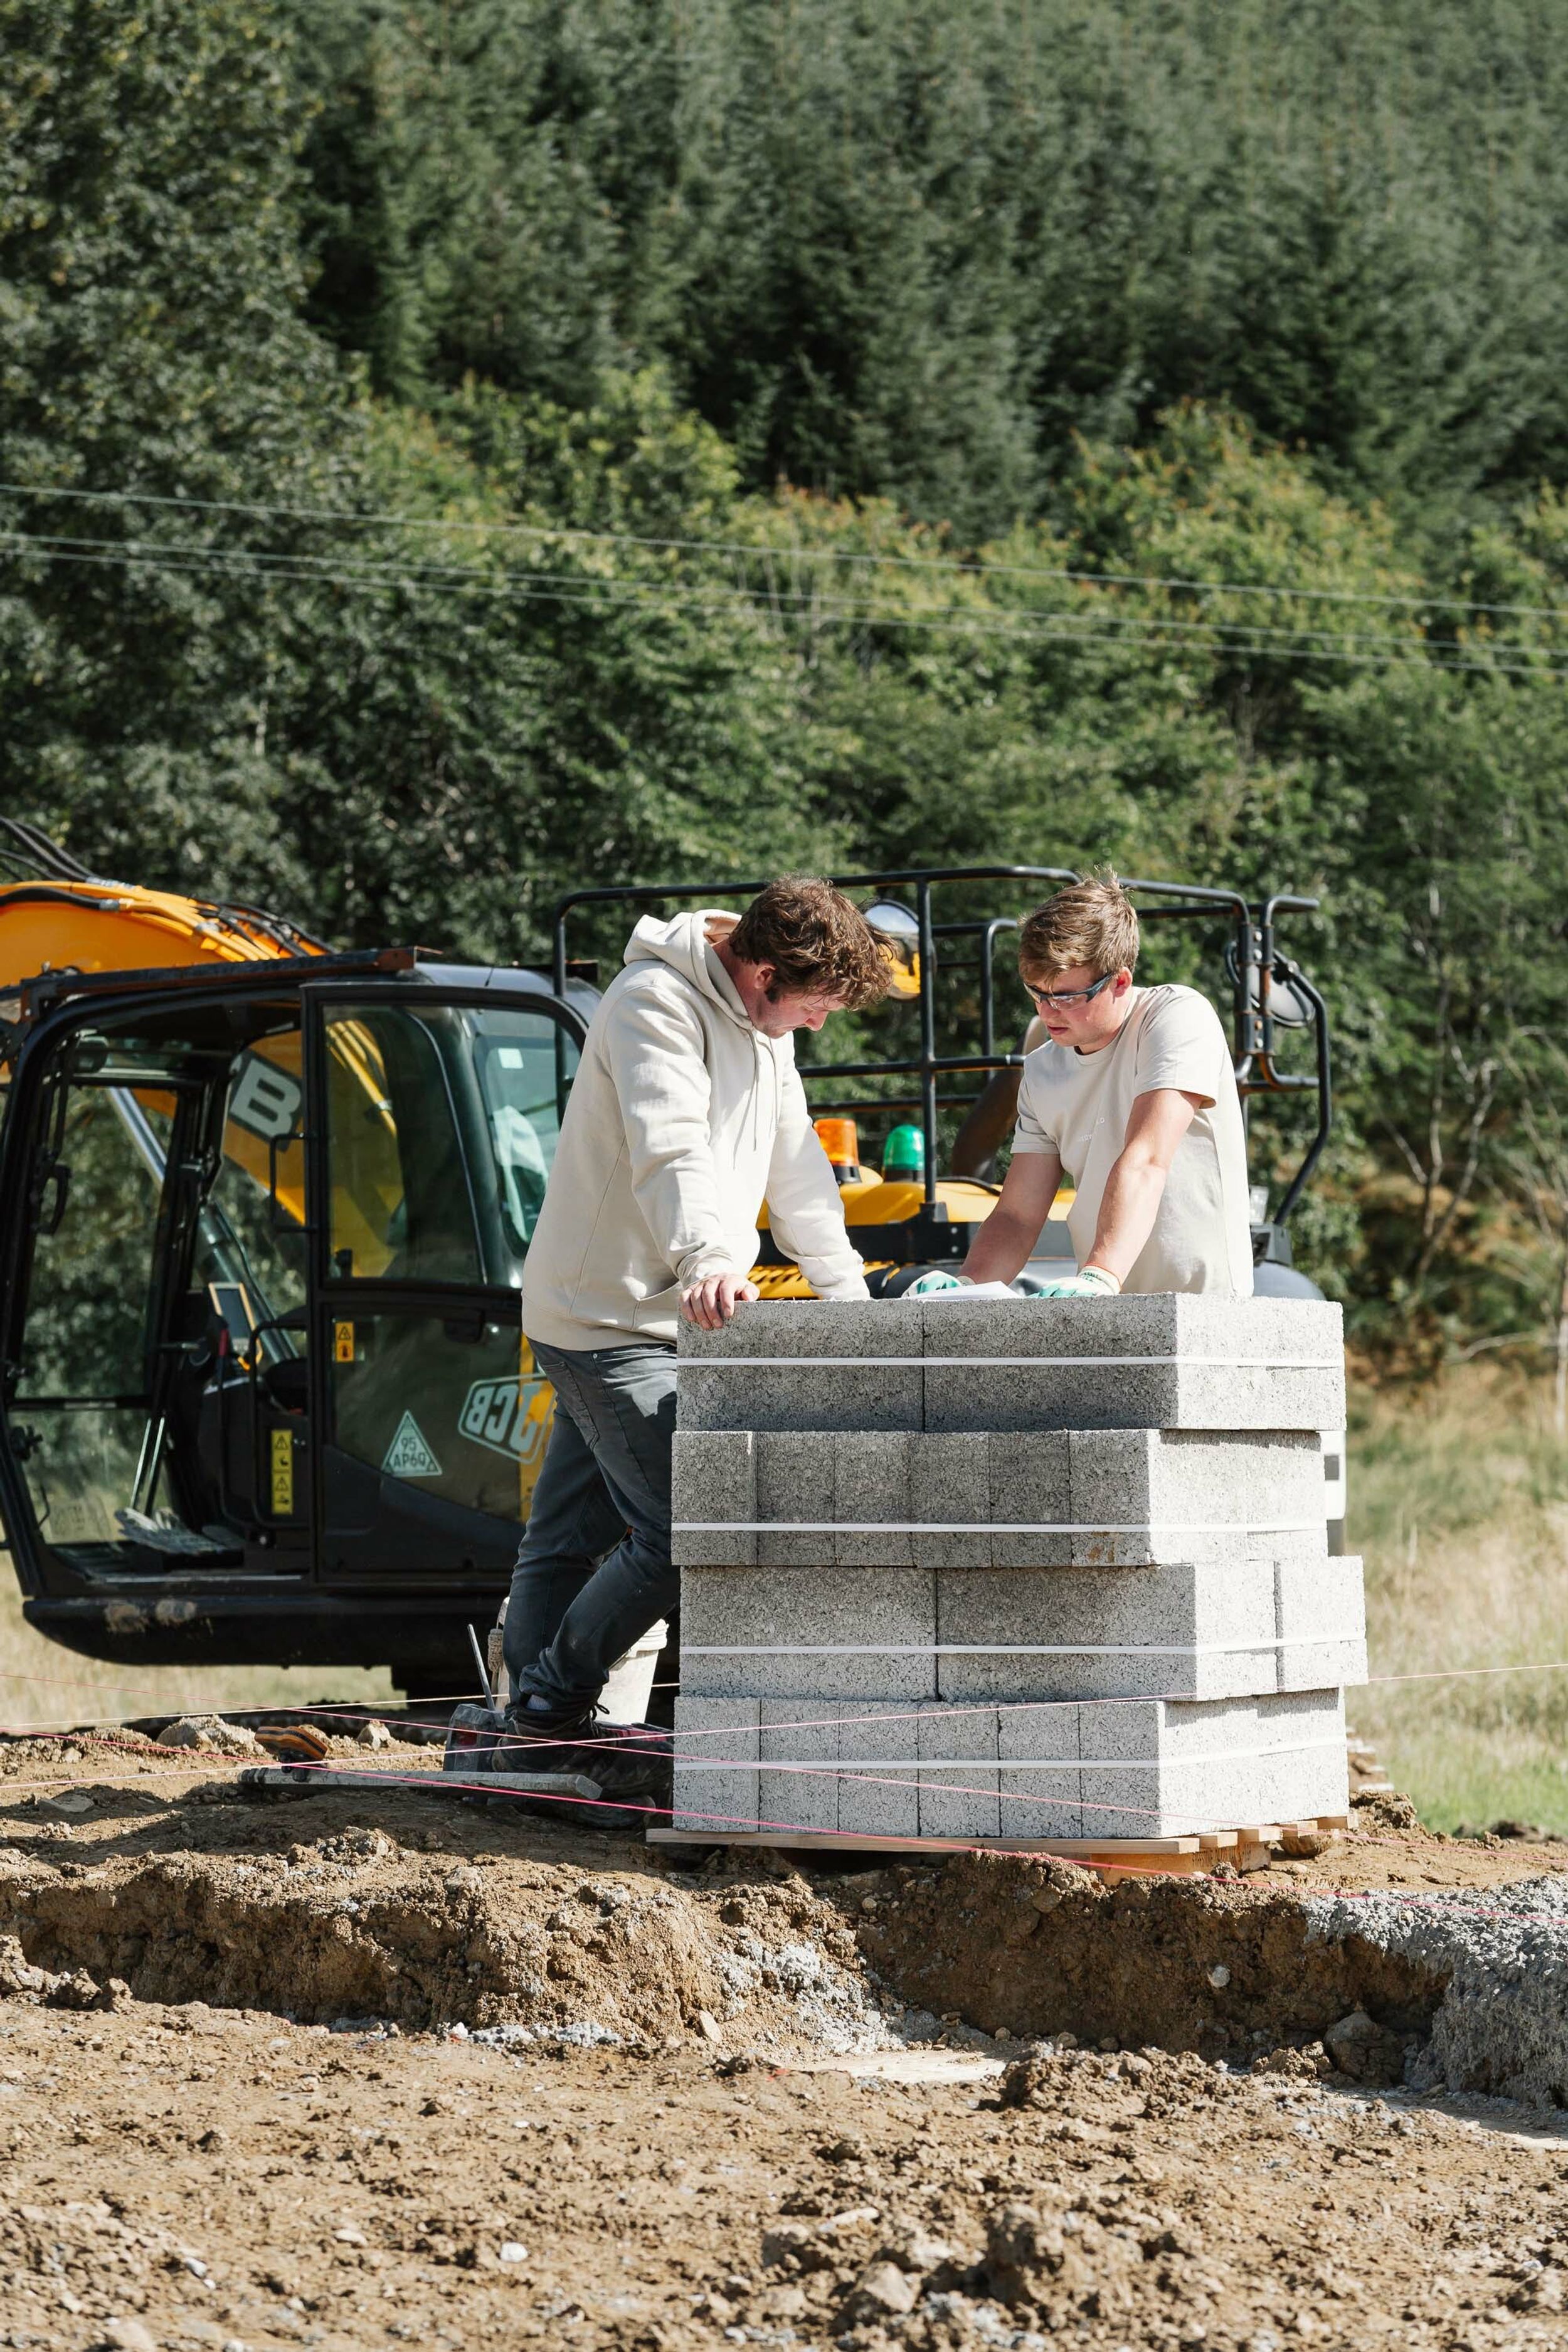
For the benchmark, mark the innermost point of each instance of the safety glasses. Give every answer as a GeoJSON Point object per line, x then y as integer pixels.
{"type": "Point", "coordinates": [1064, 997]}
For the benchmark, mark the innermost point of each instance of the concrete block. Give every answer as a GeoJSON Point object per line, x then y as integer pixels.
{"type": "Point", "coordinates": [1272, 1546]}
{"type": "Point", "coordinates": [879, 1749]}
{"type": "Point", "coordinates": [1260, 1363]}
{"type": "Point", "coordinates": [1034, 1363]}
{"type": "Point", "coordinates": [716, 1749]}
{"type": "Point", "coordinates": [1174, 1632]}
{"type": "Point", "coordinates": [714, 1479]}
{"type": "Point", "coordinates": [800, 1329]}
{"type": "Point", "coordinates": [798, 1780]}
{"type": "Point", "coordinates": [788, 1633]}
{"type": "Point", "coordinates": [1141, 1497]}
{"type": "Point", "coordinates": [1157, 1769]}
{"type": "Point", "coordinates": [1030, 1480]}
{"type": "Point", "coordinates": [805, 1364]}
{"type": "Point", "coordinates": [1321, 1622]}
{"type": "Point", "coordinates": [794, 1483]}
{"type": "Point", "coordinates": [1165, 1362]}
{"type": "Point", "coordinates": [1318, 1666]}
{"type": "Point", "coordinates": [957, 1750]}
{"type": "Point", "coordinates": [1297, 1787]}
{"type": "Point", "coordinates": [1159, 1800]}
{"type": "Point", "coordinates": [950, 1489]}
{"type": "Point", "coordinates": [872, 1498]}
{"type": "Point", "coordinates": [1112, 1500]}
{"type": "Point", "coordinates": [1039, 1783]}
{"type": "Point", "coordinates": [1302, 1764]}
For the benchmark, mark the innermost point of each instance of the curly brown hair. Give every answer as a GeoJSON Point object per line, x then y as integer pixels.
{"type": "Point", "coordinates": [816, 942]}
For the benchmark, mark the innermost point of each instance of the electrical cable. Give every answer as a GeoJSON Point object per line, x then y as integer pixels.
{"type": "Point", "coordinates": [270, 564]}
{"type": "Point", "coordinates": [975, 567]}
{"type": "Point", "coordinates": [1141, 632]}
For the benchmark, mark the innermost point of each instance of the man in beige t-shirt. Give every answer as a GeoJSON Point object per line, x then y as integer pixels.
{"type": "Point", "coordinates": [1133, 1097]}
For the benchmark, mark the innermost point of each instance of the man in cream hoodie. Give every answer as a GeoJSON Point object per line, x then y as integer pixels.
{"type": "Point", "coordinates": [686, 1112]}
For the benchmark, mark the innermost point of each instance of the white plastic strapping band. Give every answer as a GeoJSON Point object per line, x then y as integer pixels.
{"type": "Point", "coordinates": [912, 1766]}
{"type": "Point", "coordinates": [1064, 1363]}
{"type": "Point", "coordinates": [993, 1527]}
{"type": "Point", "coordinates": [1007, 1649]}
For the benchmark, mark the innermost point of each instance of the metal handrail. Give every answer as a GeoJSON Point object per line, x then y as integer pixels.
{"type": "Point", "coordinates": [1252, 1023]}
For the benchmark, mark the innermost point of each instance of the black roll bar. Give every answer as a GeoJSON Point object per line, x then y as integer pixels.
{"type": "Point", "coordinates": [1257, 965]}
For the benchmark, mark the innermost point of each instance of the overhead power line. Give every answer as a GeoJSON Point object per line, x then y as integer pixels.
{"type": "Point", "coordinates": [809, 601]}
{"type": "Point", "coordinates": [1230, 637]}
{"type": "Point", "coordinates": [975, 567]}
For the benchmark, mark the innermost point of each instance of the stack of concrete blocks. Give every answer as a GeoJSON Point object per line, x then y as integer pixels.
{"type": "Point", "coordinates": [1050, 1569]}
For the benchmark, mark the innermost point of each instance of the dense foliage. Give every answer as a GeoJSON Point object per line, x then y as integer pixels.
{"type": "Point", "coordinates": [578, 440]}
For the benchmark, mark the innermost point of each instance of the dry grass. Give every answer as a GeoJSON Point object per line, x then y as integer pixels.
{"type": "Point", "coordinates": [1460, 1503]}
{"type": "Point", "coordinates": [41, 1684]}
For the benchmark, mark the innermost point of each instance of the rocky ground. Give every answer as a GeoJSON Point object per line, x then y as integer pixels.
{"type": "Point", "coordinates": [374, 2069]}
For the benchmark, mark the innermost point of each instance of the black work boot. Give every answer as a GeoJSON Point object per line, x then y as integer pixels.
{"type": "Point", "coordinates": [629, 1760]}
{"type": "Point", "coordinates": [531, 1740]}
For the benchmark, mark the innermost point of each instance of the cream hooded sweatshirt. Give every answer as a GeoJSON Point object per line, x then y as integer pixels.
{"type": "Point", "coordinates": [682, 1118]}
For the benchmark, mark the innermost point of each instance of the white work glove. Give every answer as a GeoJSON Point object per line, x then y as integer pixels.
{"type": "Point", "coordinates": [936, 1279]}
{"type": "Point", "coordinates": [1094, 1282]}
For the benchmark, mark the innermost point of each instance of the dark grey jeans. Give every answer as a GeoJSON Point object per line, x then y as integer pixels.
{"type": "Point", "coordinates": [594, 1570]}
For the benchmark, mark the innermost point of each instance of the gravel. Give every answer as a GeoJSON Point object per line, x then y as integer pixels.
{"type": "Point", "coordinates": [1502, 2027]}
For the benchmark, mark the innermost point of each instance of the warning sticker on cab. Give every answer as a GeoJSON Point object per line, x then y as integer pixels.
{"type": "Point", "coordinates": [508, 1416]}
{"type": "Point", "coordinates": [281, 1456]}
{"type": "Point", "coordinates": [409, 1454]}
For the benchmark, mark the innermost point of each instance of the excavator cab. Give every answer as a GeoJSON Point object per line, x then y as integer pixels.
{"type": "Point", "coordinates": [264, 1391]}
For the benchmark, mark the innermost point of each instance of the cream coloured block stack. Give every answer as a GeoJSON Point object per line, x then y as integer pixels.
{"type": "Point", "coordinates": [1016, 1569]}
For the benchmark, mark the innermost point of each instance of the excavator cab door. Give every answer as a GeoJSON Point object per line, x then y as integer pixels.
{"type": "Point", "coordinates": [153, 1298]}
{"type": "Point", "coordinates": [262, 1369]}
{"type": "Point", "coordinates": [438, 1116]}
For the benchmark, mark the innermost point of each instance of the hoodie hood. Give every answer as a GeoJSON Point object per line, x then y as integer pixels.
{"type": "Point", "coordinates": [682, 1117]}
{"type": "Point", "coordinates": [682, 943]}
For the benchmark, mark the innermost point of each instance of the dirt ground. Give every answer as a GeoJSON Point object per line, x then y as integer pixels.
{"type": "Point", "coordinates": [371, 2068]}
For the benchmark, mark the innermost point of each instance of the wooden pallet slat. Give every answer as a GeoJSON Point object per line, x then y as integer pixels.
{"type": "Point", "coordinates": [1246, 1849]}
{"type": "Point", "coordinates": [835, 1842]}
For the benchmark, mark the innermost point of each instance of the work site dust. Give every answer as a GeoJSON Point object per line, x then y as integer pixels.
{"type": "Point", "coordinates": [341, 2066]}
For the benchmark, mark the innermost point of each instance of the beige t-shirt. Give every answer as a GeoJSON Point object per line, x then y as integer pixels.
{"type": "Point", "coordinates": [1078, 1106]}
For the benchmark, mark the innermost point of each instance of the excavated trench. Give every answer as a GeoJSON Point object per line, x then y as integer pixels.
{"type": "Point", "coordinates": [1033, 1948]}
{"type": "Point", "coordinates": [352, 1926]}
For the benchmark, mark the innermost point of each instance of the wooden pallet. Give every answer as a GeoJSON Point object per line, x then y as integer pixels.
{"type": "Point", "coordinates": [1246, 1848]}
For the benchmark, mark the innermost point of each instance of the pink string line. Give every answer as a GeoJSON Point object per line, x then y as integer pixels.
{"type": "Point", "coordinates": [450, 1784]}
{"type": "Point", "coordinates": [373, 1715]}
{"type": "Point", "coordinates": [45, 1728]}
{"type": "Point", "coordinates": [926, 1845]}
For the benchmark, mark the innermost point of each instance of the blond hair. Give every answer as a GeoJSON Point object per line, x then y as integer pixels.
{"type": "Point", "coordinates": [1091, 923]}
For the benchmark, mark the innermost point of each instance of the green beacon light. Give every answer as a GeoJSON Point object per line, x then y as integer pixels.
{"type": "Point", "coordinates": [904, 1160]}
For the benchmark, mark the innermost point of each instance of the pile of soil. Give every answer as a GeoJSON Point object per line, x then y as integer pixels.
{"type": "Point", "coordinates": [373, 2068]}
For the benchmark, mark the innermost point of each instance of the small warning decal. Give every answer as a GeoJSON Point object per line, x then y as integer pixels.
{"type": "Point", "coordinates": [408, 1455]}
{"type": "Point", "coordinates": [282, 1459]}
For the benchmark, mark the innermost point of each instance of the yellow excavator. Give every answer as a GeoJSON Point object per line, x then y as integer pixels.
{"type": "Point", "coordinates": [264, 1207]}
